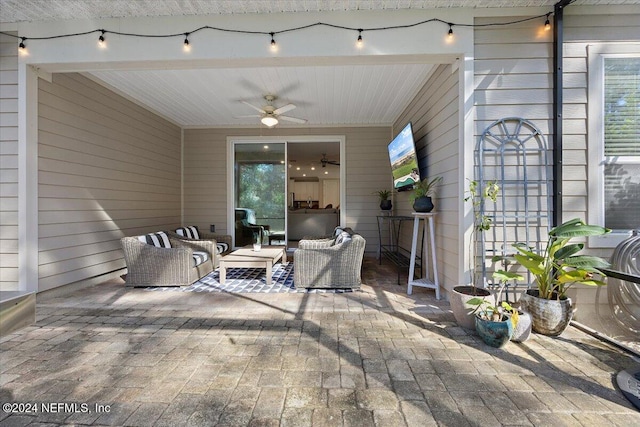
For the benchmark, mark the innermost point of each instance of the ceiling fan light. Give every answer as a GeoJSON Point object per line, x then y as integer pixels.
{"type": "Point", "coordinates": [269, 121]}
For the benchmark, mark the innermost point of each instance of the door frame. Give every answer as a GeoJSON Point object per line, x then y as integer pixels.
{"type": "Point", "coordinates": [231, 185]}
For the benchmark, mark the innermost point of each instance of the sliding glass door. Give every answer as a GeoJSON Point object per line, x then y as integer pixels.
{"type": "Point", "coordinates": [260, 192]}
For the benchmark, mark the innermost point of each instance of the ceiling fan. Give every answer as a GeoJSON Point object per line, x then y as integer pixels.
{"type": "Point", "coordinates": [270, 115]}
{"type": "Point", "coordinates": [326, 161]}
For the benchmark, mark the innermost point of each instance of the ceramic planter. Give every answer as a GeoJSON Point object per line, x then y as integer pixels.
{"type": "Point", "coordinates": [522, 331]}
{"type": "Point", "coordinates": [423, 204]}
{"type": "Point", "coordinates": [548, 316]}
{"type": "Point", "coordinates": [386, 205]}
{"type": "Point", "coordinates": [496, 334]}
{"type": "Point", "coordinates": [461, 310]}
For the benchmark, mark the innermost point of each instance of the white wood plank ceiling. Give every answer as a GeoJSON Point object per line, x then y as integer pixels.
{"type": "Point", "coordinates": [53, 10]}
{"type": "Point", "coordinates": [324, 95]}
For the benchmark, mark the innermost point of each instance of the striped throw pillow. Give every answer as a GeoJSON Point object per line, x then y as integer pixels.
{"type": "Point", "coordinates": [190, 232]}
{"type": "Point", "coordinates": [221, 247]}
{"type": "Point", "coordinates": [159, 240]}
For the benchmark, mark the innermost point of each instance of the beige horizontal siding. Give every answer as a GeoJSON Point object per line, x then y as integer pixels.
{"type": "Point", "coordinates": [581, 31]}
{"type": "Point", "coordinates": [8, 164]}
{"type": "Point", "coordinates": [107, 168]}
{"type": "Point", "coordinates": [205, 174]}
{"type": "Point", "coordinates": [514, 78]}
{"type": "Point", "coordinates": [434, 114]}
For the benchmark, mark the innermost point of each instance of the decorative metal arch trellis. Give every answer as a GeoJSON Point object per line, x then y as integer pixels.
{"type": "Point", "coordinates": [513, 152]}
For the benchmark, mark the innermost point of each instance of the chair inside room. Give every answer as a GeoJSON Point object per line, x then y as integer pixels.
{"type": "Point", "coordinates": [247, 230]}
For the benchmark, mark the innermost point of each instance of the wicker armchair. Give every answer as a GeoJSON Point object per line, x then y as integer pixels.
{"type": "Point", "coordinates": [323, 263]}
{"type": "Point", "coordinates": [179, 265]}
{"type": "Point", "coordinates": [222, 243]}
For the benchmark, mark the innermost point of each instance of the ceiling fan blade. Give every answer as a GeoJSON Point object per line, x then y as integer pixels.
{"type": "Point", "coordinates": [247, 115]}
{"type": "Point", "coordinates": [254, 107]}
{"type": "Point", "coordinates": [284, 109]}
{"type": "Point", "coordinates": [292, 119]}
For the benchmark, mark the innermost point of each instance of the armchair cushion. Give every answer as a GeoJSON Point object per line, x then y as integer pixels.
{"type": "Point", "coordinates": [159, 239]}
{"type": "Point", "coordinates": [190, 232]}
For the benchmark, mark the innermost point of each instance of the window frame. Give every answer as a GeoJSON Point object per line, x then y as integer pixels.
{"type": "Point", "coordinates": [596, 55]}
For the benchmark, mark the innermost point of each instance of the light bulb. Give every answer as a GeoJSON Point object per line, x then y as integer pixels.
{"type": "Point", "coordinates": [22, 47]}
{"type": "Point", "coordinates": [450, 33]}
{"type": "Point", "coordinates": [359, 42]}
{"type": "Point", "coordinates": [547, 24]}
{"type": "Point", "coordinates": [269, 121]}
{"type": "Point", "coordinates": [274, 46]}
{"type": "Point", "coordinates": [187, 46]}
{"type": "Point", "coordinates": [101, 41]}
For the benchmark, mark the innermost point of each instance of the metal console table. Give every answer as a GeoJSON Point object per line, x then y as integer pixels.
{"type": "Point", "coordinates": [397, 255]}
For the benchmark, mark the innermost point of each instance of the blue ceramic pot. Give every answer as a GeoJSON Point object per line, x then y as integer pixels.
{"type": "Point", "coordinates": [495, 334]}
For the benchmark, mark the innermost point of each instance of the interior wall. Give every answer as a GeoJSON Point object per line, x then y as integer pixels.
{"type": "Point", "coordinates": [108, 168]}
{"type": "Point", "coordinates": [366, 164]}
{"type": "Point", "coordinates": [8, 164]}
{"type": "Point", "coordinates": [434, 114]}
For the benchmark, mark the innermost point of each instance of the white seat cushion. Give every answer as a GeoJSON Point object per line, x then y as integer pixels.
{"type": "Point", "coordinates": [199, 258]}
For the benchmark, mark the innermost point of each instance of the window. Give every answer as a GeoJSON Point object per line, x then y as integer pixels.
{"type": "Point", "coordinates": [614, 141]}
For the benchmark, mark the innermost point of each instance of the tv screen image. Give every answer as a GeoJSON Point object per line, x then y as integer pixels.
{"type": "Point", "coordinates": [404, 161]}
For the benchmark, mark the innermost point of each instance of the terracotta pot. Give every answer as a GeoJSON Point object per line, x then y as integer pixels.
{"type": "Point", "coordinates": [494, 333]}
{"type": "Point", "coordinates": [548, 316]}
{"type": "Point", "coordinates": [458, 298]}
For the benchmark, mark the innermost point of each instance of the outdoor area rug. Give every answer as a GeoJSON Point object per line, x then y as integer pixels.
{"type": "Point", "coordinates": [248, 280]}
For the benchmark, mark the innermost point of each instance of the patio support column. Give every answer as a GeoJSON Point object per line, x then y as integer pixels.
{"type": "Point", "coordinates": [558, 42]}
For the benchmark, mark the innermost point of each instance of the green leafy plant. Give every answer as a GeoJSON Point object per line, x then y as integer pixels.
{"type": "Point", "coordinates": [498, 309]}
{"type": "Point", "coordinates": [560, 266]}
{"type": "Point", "coordinates": [383, 194]}
{"type": "Point", "coordinates": [425, 188]}
{"type": "Point", "coordinates": [481, 222]}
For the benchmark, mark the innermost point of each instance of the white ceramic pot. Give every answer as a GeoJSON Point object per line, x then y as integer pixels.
{"type": "Point", "coordinates": [522, 331]}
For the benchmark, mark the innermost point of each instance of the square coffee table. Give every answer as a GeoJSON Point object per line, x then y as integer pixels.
{"type": "Point", "coordinates": [246, 257]}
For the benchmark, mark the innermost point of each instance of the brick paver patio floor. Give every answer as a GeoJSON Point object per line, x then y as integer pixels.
{"type": "Point", "coordinates": [109, 355]}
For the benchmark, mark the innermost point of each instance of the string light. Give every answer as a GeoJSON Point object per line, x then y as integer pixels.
{"type": "Point", "coordinates": [547, 24]}
{"type": "Point", "coordinates": [186, 47]}
{"type": "Point", "coordinates": [101, 41]}
{"type": "Point", "coordinates": [274, 46]}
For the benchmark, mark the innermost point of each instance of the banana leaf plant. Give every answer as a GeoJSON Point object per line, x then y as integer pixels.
{"type": "Point", "coordinates": [560, 266]}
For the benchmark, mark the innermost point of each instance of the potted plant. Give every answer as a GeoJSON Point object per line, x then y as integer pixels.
{"type": "Point", "coordinates": [555, 271]}
{"type": "Point", "coordinates": [421, 195]}
{"type": "Point", "coordinates": [385, 202]}
{"type": "Point", "coordinates": [460, 295]}
{"type": "Point", "coordinates": [496, 323]}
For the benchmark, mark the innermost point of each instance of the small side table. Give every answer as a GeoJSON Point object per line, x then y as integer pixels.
{"type": "Point", "coordinates": [429, 247]}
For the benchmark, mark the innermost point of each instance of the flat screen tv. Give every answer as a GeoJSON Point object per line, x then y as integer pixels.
{"type": "Point", "coordinates": [404, 161]}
